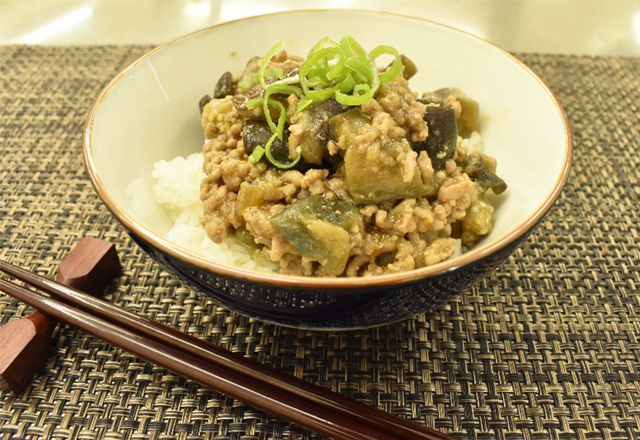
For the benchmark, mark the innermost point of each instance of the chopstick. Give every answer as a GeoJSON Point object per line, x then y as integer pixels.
{"type": "Point", "coordinates": [258, 385]}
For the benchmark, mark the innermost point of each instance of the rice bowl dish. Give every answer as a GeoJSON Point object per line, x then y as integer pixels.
{"type": "Point", "coordinates": [365, 183]}
{"type": "Point", "coordinates": [148, 113]}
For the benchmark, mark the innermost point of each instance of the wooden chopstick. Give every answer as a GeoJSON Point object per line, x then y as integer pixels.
{"type": "Point", "coordinates": [258, 385]}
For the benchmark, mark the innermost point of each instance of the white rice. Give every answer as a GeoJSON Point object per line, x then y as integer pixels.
{"type": "Point", "coordinates": [473, 143]}
{"type": "Point", "coordinates": [175, 188]}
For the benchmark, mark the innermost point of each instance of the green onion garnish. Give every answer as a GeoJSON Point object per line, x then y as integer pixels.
{"type": "Point", "coordinates": [257, 154]}
{"type": "Point", "coordinates": [343, 71]}
{"type": "Point", "coordinates": [303, 104]}
{"type": "Point", "coordinates": [396, 67]}
{"type": "Point", "coordinates": [265, 60]}
{"type": "Point", "coordinates": [283, 89]}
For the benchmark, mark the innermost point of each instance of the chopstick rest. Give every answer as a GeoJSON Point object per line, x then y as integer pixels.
{"type": "Point", "coordinates": [25, 343]}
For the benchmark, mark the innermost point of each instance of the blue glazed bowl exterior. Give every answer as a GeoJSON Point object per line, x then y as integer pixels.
{"type": "Point", "coordinates": [327, 308]}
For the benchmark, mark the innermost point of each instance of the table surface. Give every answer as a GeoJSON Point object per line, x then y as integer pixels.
{"type": "Point", "coordinates": [546, 347]}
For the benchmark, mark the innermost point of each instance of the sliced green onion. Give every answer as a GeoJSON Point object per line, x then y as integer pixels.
{"type": "Point", "coordinates": [336, 71]}
{"type": "Point", "coordinates": [265, 60]}
{"type": "Point", "coordinates": [303, 104]}
{"type": "Point", "coordinates": [318, 62]}
{"type": "Point", "coordinates": [396, 67]}
{"type": "Point", "coordinates": [354, 100]}
{"type": "Point", "coordinates": [253, 103]}
{"type": "Point", "coordinates": [344, 71]}
{"type": "Point", "coordinates": [273, 103]}
{"type": "Point", "coordinates": [248, 82]}
{"type": "Point", "coordinates": [266, 101]}
{"type": "Point", "coordinates": [361, 89]}
{"type": "Point", "coordinates": [347, 84]}
{"type": "Point", "coordinates": [321, 95]}
{"type": "Point", "coordinates": [352, 48]}
{"type": "Point", "coordinates": [277, 130]}
{"type": "Point", "coordinates": [257, 154]}
{"type": "Point", "coordinates": [367, 71]}
{"type": "Point", "coordinates": [282, 89]}
{"type": "Point", "coordinates": [293, 79]}
{"type": "Point", "coordinates": [325, 42]}
{"type": "Point", "coordinates": [277, 163]}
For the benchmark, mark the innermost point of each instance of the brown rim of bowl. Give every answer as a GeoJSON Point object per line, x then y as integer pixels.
{"type": "Point", "coordinates": [285, 281]}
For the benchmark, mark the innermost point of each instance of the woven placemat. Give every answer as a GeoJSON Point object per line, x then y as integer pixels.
{"type": "Point", "coordinates": [547, 347]}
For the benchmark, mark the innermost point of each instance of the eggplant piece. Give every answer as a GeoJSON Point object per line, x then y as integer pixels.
{"type": "Point", "coordinates": [410, 68]}
{"type": "Point", "coordinates": [374, 177]}
{"type": "Point", "coordinates": [203, 101]}
{"type": "Point", "coordinates": [344, 127]}
{"type": "Point", "coordinates": [252, 67]}
{"type": "Point", "coordinates": [442, 141]}
{"type": "Point", "coordinates": [242, 97]}
{"type": "Point", "coordinates": [243, 235]}
{"type": "Point", "coordinates": [468, 119]}
{"type": "Point", "coordinates": [372, 180]}
{"type": "Point", "coordinates": [318, 228]}
{"type": "Point", "coordinates": [225, 86]}
{"type": "Point", "coordinates": [317, 134]}
{"type": "Point", "coordinates": [479, 171]}
{"type": "Point", "coordinates": [256, 133]}
{"type": "Point", "coordinates": [254, 194]}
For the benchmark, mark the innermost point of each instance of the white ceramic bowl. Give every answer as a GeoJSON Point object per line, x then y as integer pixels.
{"type": "Point", "coordinates": [150, 112]}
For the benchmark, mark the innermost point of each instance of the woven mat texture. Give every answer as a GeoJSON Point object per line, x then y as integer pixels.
{"type": "Point", "coordinates": [547, 347]}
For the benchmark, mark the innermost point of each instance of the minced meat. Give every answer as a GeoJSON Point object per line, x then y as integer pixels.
{"type": "Point", "coordinates": [399, 212]}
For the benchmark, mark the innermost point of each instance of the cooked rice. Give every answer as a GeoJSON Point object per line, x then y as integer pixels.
{"type": "Point", "coordinates": [175, 187]}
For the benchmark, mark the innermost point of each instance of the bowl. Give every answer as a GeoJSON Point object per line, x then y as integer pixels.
{"type": "Point", "coordinates": [149, 112]}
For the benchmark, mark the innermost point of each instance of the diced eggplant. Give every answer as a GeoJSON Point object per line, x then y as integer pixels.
{"type": "Point", "coordinates": [318, 228]}
{"type": "Point", "coordinates": [468, 119]}
{"type": "Point", "coordinates": [442, 140]}
{"type": "Point", "coordinates": [256, 133]}
{"type": "Point", "coordinates": [252, 67]}
{"type": "Point", "coordinates": [379, 179]}
{"type": "Point", "coordinates": [478, 169]}
{"type": "Point", "coordinates": [225, 86]}
{"type": "Point", "coordinates": [410, 68]}
{"type": "Point", "coordinates": [374, 178]}
{"type": "Point", "coordinates": [344, 127]}
{"type": "Point", "coordinates": [203, 101]}
{"type": "Point", "coordinates": [256, 193]}
{"type": "Point", "coordinates": [244, 235]}
{"type": "Point", "coordinates": [314, 140]}
{"type": "Point", "coordinates": [436, 96]}
{"type": "Point", "coordinates": [242, 97]}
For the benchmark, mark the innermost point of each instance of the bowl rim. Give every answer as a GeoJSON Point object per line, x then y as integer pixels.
{"type": "Point", "coordinates": [132, 226]}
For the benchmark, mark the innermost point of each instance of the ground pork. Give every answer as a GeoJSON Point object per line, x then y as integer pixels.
{"type": "Point", "coordinates": [393, 236]}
